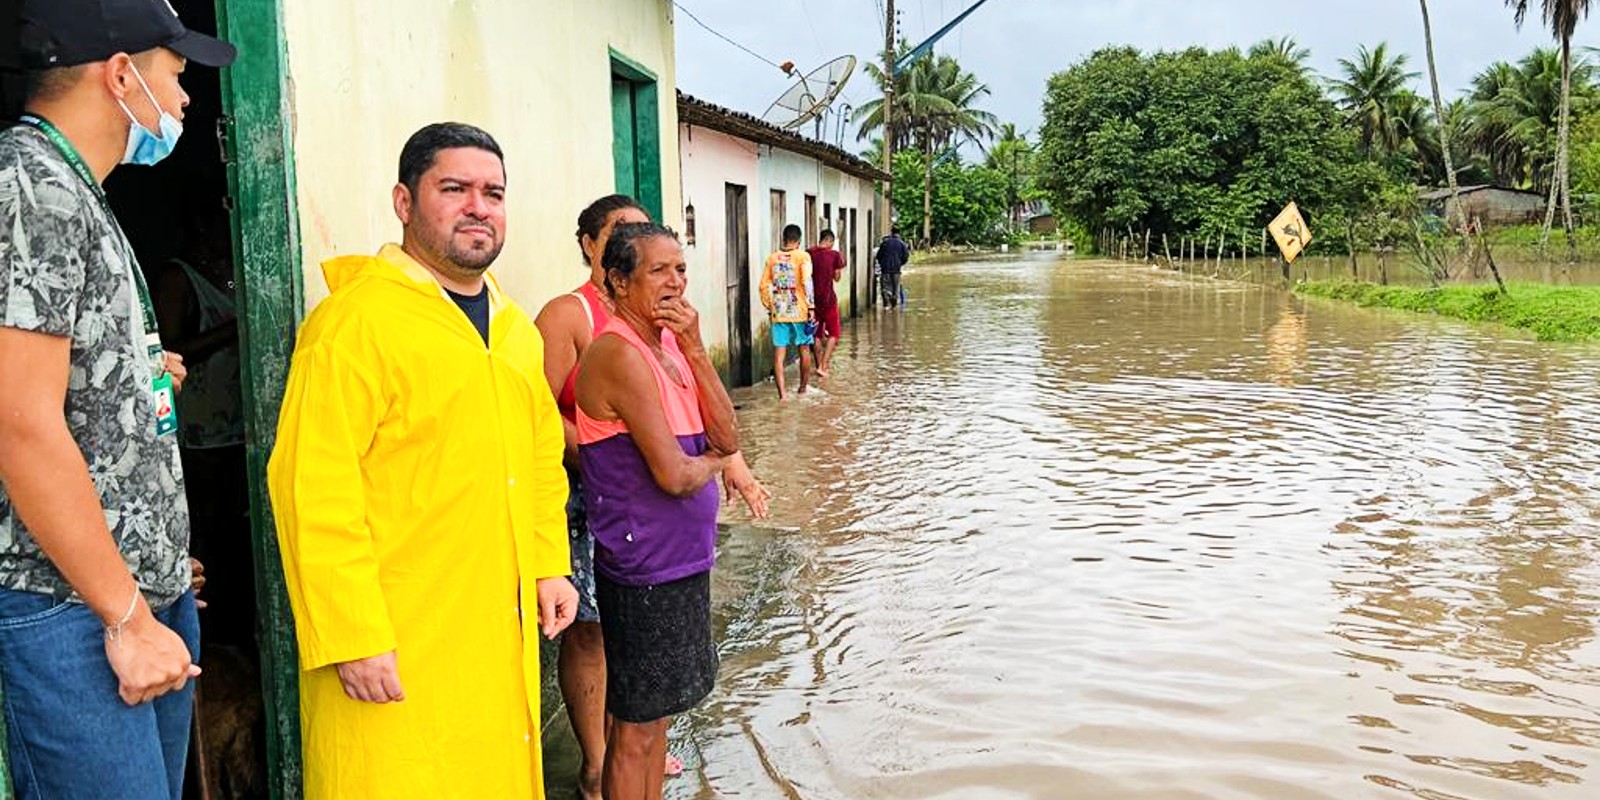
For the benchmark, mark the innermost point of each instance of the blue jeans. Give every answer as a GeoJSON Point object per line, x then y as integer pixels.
{"type": "Point", "coordinates": [68, 733]}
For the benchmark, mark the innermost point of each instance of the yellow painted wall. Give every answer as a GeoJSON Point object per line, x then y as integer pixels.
{"type": "Point", "coordinates": [535, 73]}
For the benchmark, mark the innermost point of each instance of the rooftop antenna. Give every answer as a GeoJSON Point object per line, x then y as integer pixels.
{"type": "Point", "coordinates": [811, 96]}
{"type": "Point", "coordinates": [846, 115]}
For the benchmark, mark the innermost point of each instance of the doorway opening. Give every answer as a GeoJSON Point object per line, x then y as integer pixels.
{"type": "Point", "coordinates": [738, 284]}
{"type": "Point", "coordinates": [855, 255]}
{"type": "Point", "coordinates": [811, 231]}
{"type": "Point", "coordinates": [871, 255]}
{"type": "Point", "coordinates": [178, 216]}
{"type": "Point", "coordinates": [780, 216]}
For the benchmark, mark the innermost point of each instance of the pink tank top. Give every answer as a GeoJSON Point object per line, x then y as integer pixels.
{"type": "Point", "coordinates": [681, 402]}
{"type": "Point", "coordinates": [595, 308]}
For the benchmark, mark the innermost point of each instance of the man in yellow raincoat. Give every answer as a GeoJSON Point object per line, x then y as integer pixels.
{"type": "Point", "coordinates": [419, 495]}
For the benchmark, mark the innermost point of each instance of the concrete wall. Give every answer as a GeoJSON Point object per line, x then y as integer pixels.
{"type": "Point", "coordinates": [534, 73]}
{"type": "Point", "coordinates": [710, 160]}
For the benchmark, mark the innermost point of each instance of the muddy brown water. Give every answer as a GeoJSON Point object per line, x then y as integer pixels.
{"type": "Point", "coordinates": [1070, 529]}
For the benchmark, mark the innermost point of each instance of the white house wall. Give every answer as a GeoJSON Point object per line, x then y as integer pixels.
{"type": "Point", "coordinates": [535, 73]}
{"type": "Point", "coordinates": [710, 160]}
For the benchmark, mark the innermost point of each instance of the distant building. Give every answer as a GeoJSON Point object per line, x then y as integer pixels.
{"type": "Point", "coordinates": [743, 181]}
{"type": "Point", "coordinates": [1489, 205]}
{"type": "Point", "coordinates": [1035, 216]}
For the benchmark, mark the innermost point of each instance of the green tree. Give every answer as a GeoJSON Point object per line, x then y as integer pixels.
{"type": "Point", "coordinates": [1284, 48]}
{"type": "Point", "coordinates": [1562, 18]}
{"type": "Point", "coordinates": [1013, 156]}
{"type": "Point", "coordinates": [1420, 155]}
{"type": "Point", "coordinates": [1586, 156]}
{"type": "Point", "coordinates": [914, 99]}
{"type": "Point", "coordinates": [1513, 118]}
{"type": "Point", "coordinates": [1371, 90]}
{"type": "Point", "coordinates": [873, 153]}
{"type": "Point", "coordinates": [935, 106]}
{"type": "Point", "coordinates": [1197, 143]}
{"type": "Point", "coordinates": [968, 204]}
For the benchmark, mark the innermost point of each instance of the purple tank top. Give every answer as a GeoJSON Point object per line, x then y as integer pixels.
{"type": "Point", "coordinates": [643, 535]}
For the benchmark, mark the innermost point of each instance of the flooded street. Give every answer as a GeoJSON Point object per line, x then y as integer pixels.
{"type": "Point", "coordinates": [1066, 529]}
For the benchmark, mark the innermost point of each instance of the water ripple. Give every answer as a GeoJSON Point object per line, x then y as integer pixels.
{"type": "Point", "coordinates": [1070, 530]}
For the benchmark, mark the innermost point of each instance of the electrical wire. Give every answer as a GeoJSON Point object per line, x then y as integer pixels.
{"type": "Point", "coordinates": [815, 39]}
{"type": "Point", "coordinates": [714, 32]}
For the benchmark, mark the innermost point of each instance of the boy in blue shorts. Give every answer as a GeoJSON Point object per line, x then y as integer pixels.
{"type": "Point", "coordinates": [786, 291]}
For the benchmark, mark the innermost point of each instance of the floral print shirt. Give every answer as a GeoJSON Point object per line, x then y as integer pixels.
{"type": "Point", "coordinates": [66, 269]}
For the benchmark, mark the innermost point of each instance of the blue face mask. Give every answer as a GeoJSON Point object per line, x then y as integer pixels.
{"type": "Point", "coordinates": [146, 148]}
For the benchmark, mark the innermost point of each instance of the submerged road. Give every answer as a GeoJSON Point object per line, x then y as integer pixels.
{"type": "Point", "coordinates": [1070, 529]}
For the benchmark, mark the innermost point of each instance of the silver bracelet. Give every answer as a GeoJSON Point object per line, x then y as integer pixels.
{"type": "Point", "coordinates": [114, 631]}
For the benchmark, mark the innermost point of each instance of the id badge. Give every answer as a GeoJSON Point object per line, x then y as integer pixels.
{"type": "Point", "coordinates": [166, 407]}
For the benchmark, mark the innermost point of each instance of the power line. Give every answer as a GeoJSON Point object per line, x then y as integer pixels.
{"type": "Point", "coordinates": [806, 11]}
{"type": "Point", "coordinates": [714, 32]}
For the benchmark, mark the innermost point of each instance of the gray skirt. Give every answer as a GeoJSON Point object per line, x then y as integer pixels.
{"type": "Point", "coordinates": [660, 658]}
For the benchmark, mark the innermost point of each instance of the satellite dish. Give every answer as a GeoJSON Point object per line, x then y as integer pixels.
{"type": "Point", "coordinates": [811, 96]}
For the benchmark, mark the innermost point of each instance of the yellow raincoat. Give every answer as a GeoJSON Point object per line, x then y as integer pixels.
{"type": "Point", "coordinates": [419, 495]}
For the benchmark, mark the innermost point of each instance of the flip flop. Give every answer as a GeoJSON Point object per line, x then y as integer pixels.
{"type": "Point", "coordinates": [674, 766]}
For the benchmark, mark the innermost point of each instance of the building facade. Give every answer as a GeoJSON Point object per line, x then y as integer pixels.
{"type": "Point", "coordinates": [743, 181]}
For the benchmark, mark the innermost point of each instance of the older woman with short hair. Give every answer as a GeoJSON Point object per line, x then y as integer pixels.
{"type": "Point", "coordinates": [655, 428]}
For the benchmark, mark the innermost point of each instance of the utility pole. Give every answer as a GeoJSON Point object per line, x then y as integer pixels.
{"type": "Point", "coordinates": [888, 114]}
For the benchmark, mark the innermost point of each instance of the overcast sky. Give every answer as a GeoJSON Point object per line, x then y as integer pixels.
{"type": "Point", "coordinates": [1015, 45]}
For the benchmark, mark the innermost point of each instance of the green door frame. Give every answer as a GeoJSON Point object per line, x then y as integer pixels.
{"type": "Point", "coordinates": [636, 124]}
{"type": "Point", "coordinates": [266, 250]}
{"type": "Point", "coordinates": [266, 254]}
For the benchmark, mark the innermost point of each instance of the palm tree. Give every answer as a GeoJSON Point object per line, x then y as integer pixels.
{"type": "Point", "coordinates": [1370, 92]}
{"type": "Point", "coordinates": [1012, 155]}
{"type": "Point", "coordinates": [934, 106]}
{"type": "Point", "coordinates": [942, 129]}
{"type": "Point", "coordinates": [873, 154]}
{"type": "Point", "coordinates": [1285, 49]}
{"type": "Point", "coordinates": [1514, 114]}
{"type": "Point", "coordinates": [1562, 16]}
{"type": "Point", "coordinates": [1416, 131]}
{"type": "Point", "coordinates": [911, 100]}
{"type": "Point", "coordinates": [1444, 126]}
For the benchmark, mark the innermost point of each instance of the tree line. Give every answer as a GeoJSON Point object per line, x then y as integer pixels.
{"type": "Point", "coordinates": [1208, 143]}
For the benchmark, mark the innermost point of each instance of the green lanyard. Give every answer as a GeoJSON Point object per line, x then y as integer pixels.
{"type": "Point", "coordinates": [146, 307]}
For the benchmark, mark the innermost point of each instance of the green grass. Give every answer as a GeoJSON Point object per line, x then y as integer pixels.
{"type": "Point", "coordinates": [1552, 313]}
{"type": "Point", "coordinates": [1525, 239]}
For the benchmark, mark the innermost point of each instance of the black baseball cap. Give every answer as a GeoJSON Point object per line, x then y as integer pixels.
{"type": "Point", "coordinates": [66, 33]}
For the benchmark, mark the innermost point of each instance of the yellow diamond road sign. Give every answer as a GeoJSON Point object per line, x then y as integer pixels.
{"type": "Point", "coordinates": [1290, 232]}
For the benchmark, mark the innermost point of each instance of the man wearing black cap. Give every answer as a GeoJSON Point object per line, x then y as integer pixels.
{"type": "Point", "coordinates": [97, 620]}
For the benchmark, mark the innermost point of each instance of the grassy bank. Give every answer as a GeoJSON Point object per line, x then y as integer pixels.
{"type": "Point", "coordinates": [1552, 313]}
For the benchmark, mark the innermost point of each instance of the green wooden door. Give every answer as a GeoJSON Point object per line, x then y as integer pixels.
{"type": "Point", "coordinates": [266, 250]}
{"type": "Point", "coordinates": [636, 133]}
{"type": "Point", "coordinates": [624, 143]}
